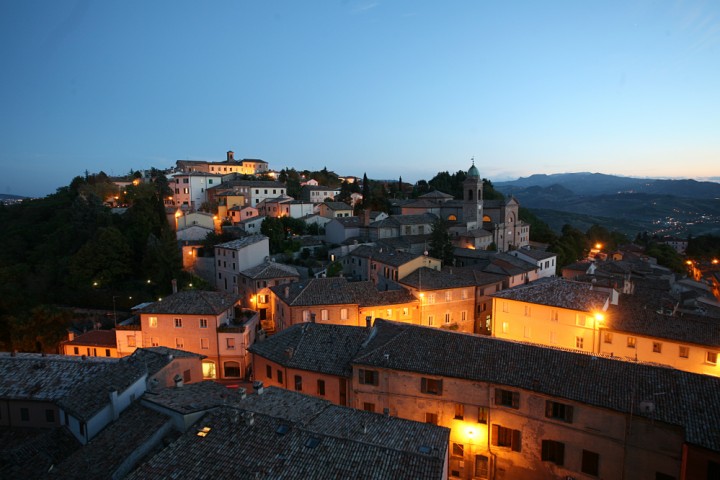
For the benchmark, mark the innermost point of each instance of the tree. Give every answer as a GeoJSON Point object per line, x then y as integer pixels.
{"type": "Point", "coordinates": [365, 192]}
{"type": "Point", "coordinates": [440, 244]}
{"type": "Point", "coordinates": [105, 259]}
{"type": "Point", "coordinates": [273, 229]}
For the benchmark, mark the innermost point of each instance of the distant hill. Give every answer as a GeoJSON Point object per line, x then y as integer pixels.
{"type": "Point", "coordinates": [630, 205]}
{"type": "Point", "coordinates": [5, 196]}
{"type": "Point", "coordinates": [585, 183]}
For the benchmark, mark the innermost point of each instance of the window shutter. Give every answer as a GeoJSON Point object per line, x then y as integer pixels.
{"type": "Point", "coordinates": [569, 413]}
{"type": "Point", "coordinates": [516, 400]}
{"type": "Point", "coordinates": [516, 440]}
{"type": "Point", "coordinates": [495, 434]}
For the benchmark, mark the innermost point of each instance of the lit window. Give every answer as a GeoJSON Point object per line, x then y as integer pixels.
{"type": "Point", "coordinates": [579, 342]}
{"type": "Point", "coordinates": [458, 450]}
{"type": "Point", "coordinates": [657, 347]}
{"type": "Point", "coordinates": [389, 313]}
{"type": "Point", "coordinates": [179, 343]}
{"type": "Point", "coordinates": [459, 411]}
{"type": "Point", "coordinates": [631, 342]}
{"type": "Point", "coordinates": [324, 315]}
{"type": "Point", "coordinates": [431, 386]}
{"type": "Point", "coordinates": [711, 358]}
{"type": "Point", "coordinates": [230, 343]}
{"type": "Point", "coordinates": [607, 337]}
{"type": "Point", "coordinates": [482, 415]}
{"type": "Point", "coordinates": [406, 311]}
{"type": "Point", "coordinates": [343, 314]}
{"type": "Point", "coordinates": [431, 298]}
{"type": "Point", "coordinates": [204, 343]}
{"type": "Point", "coordinates": [505, 327]}
{"type": "Point", "coordinates": [152, 321]}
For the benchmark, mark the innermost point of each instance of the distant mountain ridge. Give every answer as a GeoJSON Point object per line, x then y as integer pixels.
{"type": "Point", "coordinates": [586, 183]}
{"type": "Point", "coordinates": [630, 205]}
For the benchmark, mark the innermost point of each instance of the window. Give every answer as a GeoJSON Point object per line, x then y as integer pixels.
{"type": "Point", "coordinates": [152, 321]}
{"type": "Point", "coordinates": [268, 372]}
{"type": "Point", "coordinates": [369, 407]}
{"type": "Point", "coordinates": [178, 323]}
{"type": "Point", "coordinates": [406, 311]}
{"type": "Point", "coordinates": [580, 320]}
{"type": "Point", "coordinates": [155, 342]}
{"type": "Point", "coordinates": [431, 298]}
{"type": "Point", "coordinates": [527, 310]}
{"type": "Point", "coordinates": [482, 415]}
{"type": "Point", "coordinates": [431, 319]}
{"type": "Point", "coordinates": [298, 383]}
{"type": "Point", "coordinates": [711, 358]}
{"type": "Point", "coordinates": [448, 296]}
{"type": "Point", "coordinates": [507, 398]}
{"type": "Point", "coordinates": [553, 451]}
{"type": "Point", "coordinates": [179, 343]}
{"type": "Point", "coordinates": [230, 342]}
{"type": "Point", "coordinates": [431, 386]}
{"type": "Point", "coordinates": [559, 411]}
{"type": "Point", "coordinates": [482, 466]}
{"type": "Point", "coordinates": [458, 450]}
{"type": "Point", "coordinates": [459, 411]}
{"type": "Point", "coordinates": [505, 307]}
{"type": "Point", "coordinates": [324, 315]}
{"type": "Point", "coordinates": [607, 337]}
{"type": "Point", "coordinates": [506, 437]}
{"type": "Point", "coordinates": [107, 352]}
{"type": "Point", "coordinates": [280, 376]}
{"type": "Point", "coordinates": [590, 463]}
{"type": "Point", "coordinates": [203, 323]}
{"type": "Point", "coordinates": [657, 347]}
{"type": "Point", "coordinates": [464, 294]}
{"type": "Point", "coordinates": [368, 377]}
{"type": "Point", "coordinates": [204, 343]}
{"type": "Point", "coordinates": [232, 369]}
{"type": "Point", "coordinates": [447, 317]}
{"type": "Point", "coordinates": [130, 341]}
{"type": "Point", "coordinates": [50, 415]}
{"type": "Point", "coordinates": [25, 414]}
{"type": "Point", "coordinates": [388, 313]}
{"type": "Point", "coordinates": [343, 314]}
{"type": "Point", "coordinates": [631, 342]}
{"type": "Point", "coordinates": [527, 332]}
{"type": "Point", "coordinates": [463, 316]}
{"type": "Point", "coordinates": [187, 376]}
{"type": "Point", "coordinates": [321, 387]}
{"type": "Point", "coordinates": [77, 349]}
{"type": "Point", "coordinates": [431, 418]}
{"type": "Point", "coordinates": [684, 351]}
{"type": "Point", "coordinates": [505, 327]}
{"type": "Point", "coordinates": [579, 342]}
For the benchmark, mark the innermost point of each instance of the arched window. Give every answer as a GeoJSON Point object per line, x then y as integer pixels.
{"type": "Point", "coordinates": [232, 369]}
{"type": "Point", "coordinates": [470, 194]}
{"type": "Point", "coordinates": [486, 218]}
{"type": "Point", "coordinates": [452, 217]}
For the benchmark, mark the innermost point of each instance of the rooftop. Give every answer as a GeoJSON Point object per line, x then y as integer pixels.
{"type": "Point", "coordinates": [425, 278]}
{"type": "Point", "coordinates": [616, 384]}
{"type": "Point", "coordinates": [193, 397]}
{"type": "Point", "coordinates": [269, 270]}
{"type": "Point", "coordinates": [293, 436]}
{"type": "Point", "coordinates": [386, 256]}
{"type": "Point", "coordinates": [337, 206]}
{"type": "Point", "coordinates": [337, 291]}
{"type": "Point", "coordinates": [97, 338]}
{"type": "Point", "coordinates": [193, 302]}
{"type": "Point", "coordinates": [242, 242]}
{"type": "Point", "coordinates": [558, 292]}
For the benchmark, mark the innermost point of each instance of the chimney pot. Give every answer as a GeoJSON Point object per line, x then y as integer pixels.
{"type": "Point", "coordinates": [258, 387]}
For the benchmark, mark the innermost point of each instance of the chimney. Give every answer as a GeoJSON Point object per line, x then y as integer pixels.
{"type": "Point", "coordinates": [13, 353]}
{"type": "Point", "coordinates": [287, 292]}
{"type": "Point", "coordinates": [242, 392]}
{"type": "Point", "coordinates": [289, 352]}
{"type": "Point", "coordinates": [230, 156]}
{"type": "Point", "coordinates": [258, 387]}
{"type": "Point", "coordinates": [366, 217]}
{"type": "Point", "coordinates": [178, 379]}
{"type": "Point", "coordinates": [112, 392]}
{"type": "Point", "coordinates": [249, 418]}
{"type": "Point", "coordinates": [71, 335]}
{"type": "Point", "coordinates": [368, 321]}
{"type": "Point", "coordinates": [174, 285]}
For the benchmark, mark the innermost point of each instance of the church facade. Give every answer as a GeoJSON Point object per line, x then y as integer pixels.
{"type": "Point", "coordinates": [474, 222]}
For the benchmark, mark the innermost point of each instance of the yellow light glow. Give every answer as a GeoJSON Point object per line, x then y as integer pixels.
{"type": "Point", "coordinates": [689, 262]}
{"type": "Point", "coordinates": [599, 317]}
{"type": "Point", "coordinates": [715, 261]}
{"type": "Point", "coordinates": [178, 214]}
{"type": "Point", "coordinates": [598, 246]}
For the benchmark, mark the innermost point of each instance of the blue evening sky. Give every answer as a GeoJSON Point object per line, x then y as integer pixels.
{"type": "Point", "coordinates": [391, 88]}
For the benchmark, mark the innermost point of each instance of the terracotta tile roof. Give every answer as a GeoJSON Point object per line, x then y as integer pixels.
{"type": "Point", "coordinates": [194, 397]}
{"type": "Point", "coordinates": [398, 220]}
{"type": "Point", "coordinates": [157, 358]}
{"type": "Point", "coordinates": [90, 396]}
{"type": "Point", "coordinates": [30, 453]}
{"type": "Point", "coordinates": [269, 270]}
{"type": "Point", "coordinates": [388, 257]}
{"type": "Point", "coordinates": [429, 279]}
{"type": "Point", "coordinates": [316, 347]}
{"type": "Point", "coordinates": [329, 442]}
{"type": "Point", "coordinates": [98, 338]}
{"type": "Point", "coordinates": [337, 291]}
{"type": "Point", "coordinates": [105, 456]}
{"type": "Point", "coordinates": [634, 315]}
{"type": "Point", "coordinates": [242, 242]}
{"type": "Point", "coordinates": [337, 206]}
{"type": "Point", "coordinates": [35, 377]}
{"type": "Point", "coordinates": [558, 292]}
{"type": "Point", "coordinates": [687, 399]}
{"type": "Point", "coordinates": [193, 302]}
{"type": "Point", "coordinates": [436, 194]}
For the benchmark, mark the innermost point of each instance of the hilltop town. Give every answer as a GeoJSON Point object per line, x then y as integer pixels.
{"type": "Point", "coordinates": [223, 319]}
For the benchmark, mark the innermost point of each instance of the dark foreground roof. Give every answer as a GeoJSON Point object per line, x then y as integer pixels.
{"type": "Point", "coordinates": [286, 435]}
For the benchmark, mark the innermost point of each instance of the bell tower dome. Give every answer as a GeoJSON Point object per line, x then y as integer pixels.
{"type": "Point", "coordinates": [472, 198]}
